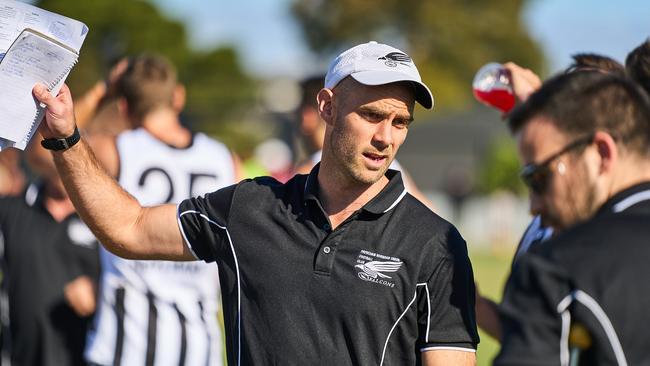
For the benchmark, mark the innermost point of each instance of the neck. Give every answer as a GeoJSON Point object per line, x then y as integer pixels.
{"type": "Point", "coordinates": [630, 173]}
{"type": "Point", "coordinates": [57, 203]}
{"type": "Point", "coordinates": [341, 195]}
{"type": "Point", "coordinates": [164, 125]}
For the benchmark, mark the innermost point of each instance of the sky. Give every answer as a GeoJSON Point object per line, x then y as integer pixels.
{"type": "Point", "coordinates": [270, 42]}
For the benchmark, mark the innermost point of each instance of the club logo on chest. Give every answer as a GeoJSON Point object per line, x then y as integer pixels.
{"type": "Point", "coordinates": [377, 268]}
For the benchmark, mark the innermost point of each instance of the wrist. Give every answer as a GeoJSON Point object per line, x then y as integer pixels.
{"type": "Point", "coordinates": [64, 143]}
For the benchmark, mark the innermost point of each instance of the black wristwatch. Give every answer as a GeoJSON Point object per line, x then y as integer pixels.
{"type": "Point", "coordinates": [62, 144]}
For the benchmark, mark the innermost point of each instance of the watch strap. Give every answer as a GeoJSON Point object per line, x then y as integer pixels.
{"type": "Point", "coordinates": [62, 144]}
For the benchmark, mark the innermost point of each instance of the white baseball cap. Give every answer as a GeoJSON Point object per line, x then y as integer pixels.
{"type": "Point", "coordinates": [375, 63]}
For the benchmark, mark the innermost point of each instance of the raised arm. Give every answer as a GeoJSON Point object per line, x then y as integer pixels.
{"type": "Point", "coordinates": [115, 217]}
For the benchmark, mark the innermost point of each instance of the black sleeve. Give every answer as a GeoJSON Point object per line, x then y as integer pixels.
{"type": "Point", "coordinates": [446, 316]}
{"type": "Point", "coordinates": [531, 314]}
{"type": "Point", "coordinates": [82, 252]}
{"type": "Point", "coordinates": [203, 222]}
{"type": "Point", "coordinates": [6, 207]}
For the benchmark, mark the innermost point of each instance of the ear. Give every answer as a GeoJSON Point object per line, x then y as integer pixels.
{"type": "Point", "coordinates": [325, 107]}
{"type": "Point", "coordinates": [178, 98]}
{"type": "Point", "coordinates": [607, 151]}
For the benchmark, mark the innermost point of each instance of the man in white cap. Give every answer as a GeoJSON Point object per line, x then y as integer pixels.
{"type": "Point", "coordinates": [338, 267]}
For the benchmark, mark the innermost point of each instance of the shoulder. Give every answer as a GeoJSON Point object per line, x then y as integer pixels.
{"type": "Point", "coordinates": [201, 139]}
{"type": "Point", "coordinates": [271, 188]}
{"type": "Point", "coordinates": [7, 203]}
{"type": "Point", "coordinates": [127, 136]}
{"type": "Point", "coordinates": [606, 239]}
{"type": "Point", "coordinates": [422, 221]}
{"type": "Point", "coordinates": [12, 206]}
{"type": "Point", "coordinates": [418, 214]}
{"type": "Point", "coordinates": [205, 144]}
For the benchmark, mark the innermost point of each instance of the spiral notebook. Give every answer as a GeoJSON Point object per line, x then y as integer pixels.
{"type": "Point", "coordinates": [32, 58]}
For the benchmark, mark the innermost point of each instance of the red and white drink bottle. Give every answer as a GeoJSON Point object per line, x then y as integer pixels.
{"type": "Point", "coordinates": [492, 86]}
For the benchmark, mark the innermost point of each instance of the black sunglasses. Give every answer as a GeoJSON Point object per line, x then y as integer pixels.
{"type": "Point", "coordinates": [536, 176]}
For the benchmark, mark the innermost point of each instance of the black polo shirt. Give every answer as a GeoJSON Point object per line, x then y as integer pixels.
{"type": "Point", "coordinates": [40, 257]}
{"type": "Point", "coordinates": [393, 280]}
{"type": "Point", "coordinates": [592, 277]}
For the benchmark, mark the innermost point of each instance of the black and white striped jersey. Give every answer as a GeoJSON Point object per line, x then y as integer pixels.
{"type": "Point", "coordinates": [161, 312]}
{"type": "Point", "coordinates": [390, 282]}
{"type": "Point", "coordinates": [582, 298]}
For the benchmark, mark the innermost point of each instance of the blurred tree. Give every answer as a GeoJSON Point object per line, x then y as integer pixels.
{"type": "Point", "coordinates": [500, 168]}
{"type": "Point", "coordinates": [449, 39]}
{"type": "Point", "coordinates": [217, 88]}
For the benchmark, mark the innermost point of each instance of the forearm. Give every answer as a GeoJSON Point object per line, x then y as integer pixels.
{"type": "Point", "coordinates": [115, 217]}
{"type": "Point", "coordinates": [448, 357]}
{"type": "Point", "coordinates": [487, 317]}
{"type": "Point", "coordinates": [105, 207]}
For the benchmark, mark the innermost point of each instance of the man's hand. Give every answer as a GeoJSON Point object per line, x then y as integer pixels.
{"type": "Point", "coordinates": [524, 81]}
{"type": "Point", "coordinates": [80, 295]}
{"type": "Point", "coordinates": [59, 119]}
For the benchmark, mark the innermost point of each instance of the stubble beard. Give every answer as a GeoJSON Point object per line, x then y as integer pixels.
{"type": "Point", "coordinates": [349, 158]}
{"type": "Point", "coordinates": [582, 205]}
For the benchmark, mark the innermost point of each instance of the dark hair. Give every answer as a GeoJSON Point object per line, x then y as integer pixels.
{"type": "Point", "coordinates": [637, 64]}
{"type": "Point", "coordinates": [147, 83]}
{"type": "Point", "coordinates": [582, 103]}
{"type": "Point", "coordinates": [310, 88]}
{"type": "Point", "coordinates": [595, 62]}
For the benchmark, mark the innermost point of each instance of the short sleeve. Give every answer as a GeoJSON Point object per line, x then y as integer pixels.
{"type": "Point", "coordinates": [203, 222]}
{"type": "Point", "coordinates": [446, 315]}
{"type": "Point", "coordinates": [532, 325]}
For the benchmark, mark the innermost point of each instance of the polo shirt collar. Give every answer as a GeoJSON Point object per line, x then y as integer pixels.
{"type": "Point", "coordinates": [383, 202]}
{"type": "Point", "coordinates": [628, 198]}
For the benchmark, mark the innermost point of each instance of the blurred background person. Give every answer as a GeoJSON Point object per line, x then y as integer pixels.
{"type": "Point", "coordinates": [157, 312]}
{"type": "Point", "coordinates": [583, 138]}
{"type": "Point", "coordinates": [274, 156]}
{"type": "Point", "coordinates": [525, 82]}
{"type": "Point", "coordinates": [50, 268]}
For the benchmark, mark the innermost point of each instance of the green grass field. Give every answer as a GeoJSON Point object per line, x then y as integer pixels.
{"type": "Point", "coordinates": [490, 272]}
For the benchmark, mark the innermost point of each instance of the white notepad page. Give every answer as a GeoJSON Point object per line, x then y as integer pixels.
{"type": "Point", "coordinates": [15, 17]}
{"type": "Point", "coordinates": [33, 58]}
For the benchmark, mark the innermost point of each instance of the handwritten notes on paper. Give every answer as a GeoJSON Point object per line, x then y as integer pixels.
{"type": "Point", "coordinates": [46, 53]}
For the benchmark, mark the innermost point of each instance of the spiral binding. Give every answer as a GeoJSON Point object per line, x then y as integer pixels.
{"type": "Point", "coordinates": [60, 77]}
{"type": "Point", "coordinates": [39, 113]}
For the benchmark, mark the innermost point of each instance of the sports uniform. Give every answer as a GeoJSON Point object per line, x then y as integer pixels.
{"type": "Point", "coordinates": [161, 312]}
{"type": "Point", "coordinates": [590, 279]}
{"type": "Point", "coordinates": [391, 281]}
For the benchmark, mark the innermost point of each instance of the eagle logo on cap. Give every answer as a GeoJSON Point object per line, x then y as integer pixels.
{"type": "Point", "coordinates": [393, 58]}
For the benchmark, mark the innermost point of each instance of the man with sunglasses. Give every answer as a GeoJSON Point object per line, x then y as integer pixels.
{"type": "Point", "coordinates": [581, 297]}
{"type": "Point", "coordinates": [525, 82]}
